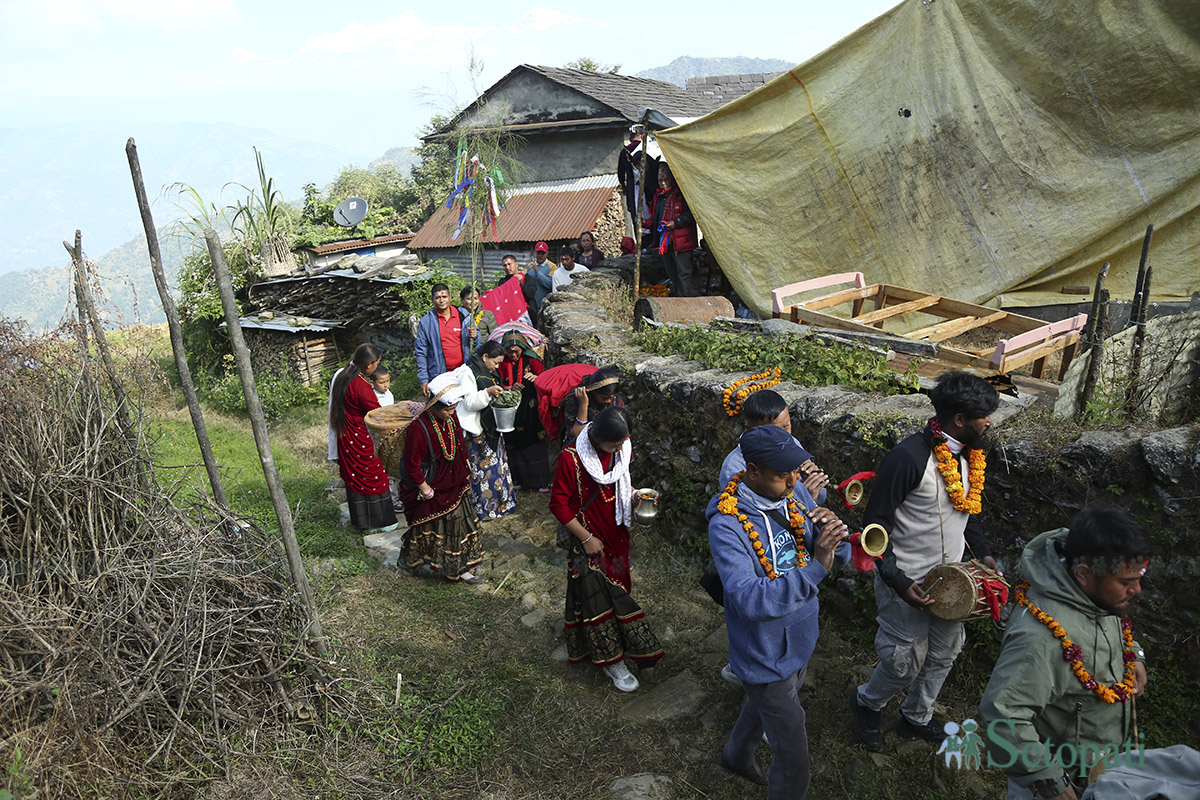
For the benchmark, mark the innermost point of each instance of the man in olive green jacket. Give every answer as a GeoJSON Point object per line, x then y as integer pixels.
{"type": "Point", "coordinates": [1044, 712]}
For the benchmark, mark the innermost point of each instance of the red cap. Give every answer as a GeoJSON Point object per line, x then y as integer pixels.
{"type": "Point", "coordinates": [541, 247]}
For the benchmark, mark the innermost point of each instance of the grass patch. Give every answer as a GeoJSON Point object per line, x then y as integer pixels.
{"type": "Point", "coordinates": [298, 448]}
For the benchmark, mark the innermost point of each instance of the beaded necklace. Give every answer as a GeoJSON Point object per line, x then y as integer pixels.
{"type": "Point", "coordinates": [1073, 653]}
{"type": "Point", "coordinates": [447, 452]}
{"type": "Point", "coordinates": [728, 504]}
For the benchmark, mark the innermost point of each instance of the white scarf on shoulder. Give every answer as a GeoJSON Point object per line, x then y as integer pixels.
{"type": "Point", "coordinates": [619, 474]}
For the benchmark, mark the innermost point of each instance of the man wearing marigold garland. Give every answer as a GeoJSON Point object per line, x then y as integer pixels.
{"type": "Point", "coordinates": [770, 561]}
{"type": "Point", "coordinates": [1069, 664]}
{"type": "Point", "coordinates": [926, 495]}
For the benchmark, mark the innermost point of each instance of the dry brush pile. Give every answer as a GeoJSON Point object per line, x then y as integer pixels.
{"type": "Point", "coordinates": [140, 632]}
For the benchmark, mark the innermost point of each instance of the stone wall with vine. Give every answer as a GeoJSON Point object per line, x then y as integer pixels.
{"type": "Point", "coordinates": [1041, 471]}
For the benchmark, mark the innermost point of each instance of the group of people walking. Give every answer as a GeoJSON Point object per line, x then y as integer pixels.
{"type": "Point", "coordinates": [1069, 668]}
{"type": "Point", "coordinates": [1060, 696]}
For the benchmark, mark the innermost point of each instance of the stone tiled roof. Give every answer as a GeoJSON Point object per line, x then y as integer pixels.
{"type": "Point", "coordinates": [626, 94]}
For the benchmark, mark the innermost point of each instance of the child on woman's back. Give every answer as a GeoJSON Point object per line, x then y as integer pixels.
{"type": "Point", "coordinates": [381, 382]}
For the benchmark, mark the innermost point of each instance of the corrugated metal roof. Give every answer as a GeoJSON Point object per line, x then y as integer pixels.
{"type": "Point", "coordinates": [530, 217]}
{"type": "Point", "coordinates": [608, 181]}
{"type": "Point", "coordinates": [355, 244]}
{"type": "Point", "coordinates": [281, 323]}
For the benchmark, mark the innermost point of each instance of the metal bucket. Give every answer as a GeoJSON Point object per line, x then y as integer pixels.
{"type": "Point", "coordinates": [506, 418]}
{"type": "Point", "coordinates": [680, 309]}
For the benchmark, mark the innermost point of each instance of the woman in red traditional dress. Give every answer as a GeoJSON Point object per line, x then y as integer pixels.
{"type": "Point", "coordinates": [351, 397]}
{"type": "Point", "coordinates": [526, 445]}
{"type": "Point", "coordinates": [443, 531]}
{"type": "Point", "coordinates": [592, 499]}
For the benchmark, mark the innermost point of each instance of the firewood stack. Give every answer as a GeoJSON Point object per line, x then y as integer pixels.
{"type": "Point", "coordinates": [610, 228]}
{"type": "Point", "coordinates": [356, 301]}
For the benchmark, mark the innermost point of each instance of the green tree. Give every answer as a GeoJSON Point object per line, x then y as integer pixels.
{"type": "Point", "coordinates": [592, 65]}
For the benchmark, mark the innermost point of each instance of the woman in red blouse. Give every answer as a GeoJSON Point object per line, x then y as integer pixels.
{"type": "Point", "coordinates": [592, 499]}
{"type": "Point", "coordinates": [351, 397]}
{"type": "Point", "coordinates": [443, 531]}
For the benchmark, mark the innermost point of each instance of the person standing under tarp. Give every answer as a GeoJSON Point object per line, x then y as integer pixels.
{"type": "Point", "coordinates": [677, 234]}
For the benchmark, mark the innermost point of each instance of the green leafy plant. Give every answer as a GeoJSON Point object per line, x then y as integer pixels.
{"type": "Point", "coordinates": [509, 398]}
{"type": "Point", "coordinates": [804, 360]}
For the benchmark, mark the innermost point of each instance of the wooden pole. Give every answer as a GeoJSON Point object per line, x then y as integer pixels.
{"type": "Point", "coordinates": [168, 304]}
{"type": "Point", "coordinates": [1139, 339]}
{"type": "Point", "coordinates": [84, 297]}
{"type": "Point", "coordinates": [241, 356]}
{"type": "Point", "coordinates": [1094, 357]}
{"type": "Point", "coordinates": [1089, 329]}
{"type": "Point", "coordinates": [638, 199]}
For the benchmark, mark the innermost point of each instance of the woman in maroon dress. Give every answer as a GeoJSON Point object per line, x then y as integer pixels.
{"type": "Point", "coordinates": [443, 530]}
{"type": "Point", "coordinates": [351, 397]}
{"type": "Point", "coordinates": [592, 499]}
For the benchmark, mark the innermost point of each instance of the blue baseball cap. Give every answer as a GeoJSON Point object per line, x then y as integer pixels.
{"type": "Point", "coordinates": [772, 446]}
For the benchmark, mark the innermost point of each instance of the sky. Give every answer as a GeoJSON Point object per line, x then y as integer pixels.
{"type": "Point", "coordinates": [361, 76]}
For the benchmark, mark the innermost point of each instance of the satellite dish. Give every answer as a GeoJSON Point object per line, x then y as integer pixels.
{"type": "Point", "coordinates": [350, 212]}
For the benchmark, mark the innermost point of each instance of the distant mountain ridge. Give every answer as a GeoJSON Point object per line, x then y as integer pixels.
{"type": "Point", "coordinates": [684, 67]}
{"type": "Point", "coordinates": [127, 295]}
{"type": "Point", "coordinates": [55, 179]}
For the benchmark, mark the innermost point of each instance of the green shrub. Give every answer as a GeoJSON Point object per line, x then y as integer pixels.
{"type": "Point", "coordinates": [278, 390]}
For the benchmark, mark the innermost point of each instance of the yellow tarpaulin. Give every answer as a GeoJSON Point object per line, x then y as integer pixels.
{"type": "Point", "coordinates": [993, 151]}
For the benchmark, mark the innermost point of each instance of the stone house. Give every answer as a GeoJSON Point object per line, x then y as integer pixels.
{"type": "Point", "coordinates": [573, 123]}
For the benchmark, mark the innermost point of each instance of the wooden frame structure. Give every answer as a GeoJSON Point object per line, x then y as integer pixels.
{"type": "Point", "coordinates": [1029, 340]}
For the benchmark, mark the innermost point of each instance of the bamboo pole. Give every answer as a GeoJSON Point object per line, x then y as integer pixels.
{"type": "Point", "coordinates": [168, 304]}
{"type": "Point", "coordinates": [1139, 339]}
{"type": "Point", "coordinates": [241, 356]}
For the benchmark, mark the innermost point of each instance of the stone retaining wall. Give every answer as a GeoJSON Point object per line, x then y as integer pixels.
{"type": "Point", "coordinates": [682, 434]}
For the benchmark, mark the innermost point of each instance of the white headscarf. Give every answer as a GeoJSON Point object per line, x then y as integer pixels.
{"type": "Point", "coordinates": [619, 474]}
{"type": "Point", "coordinates": [454, 390]}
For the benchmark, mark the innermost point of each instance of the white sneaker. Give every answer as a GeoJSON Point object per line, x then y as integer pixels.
{"type": "Point", "coordinates": [727, 674]}
{"type": "Point", "coordinates": [621, 677]}
{"type": "Point", "coordinates": [560, 653]}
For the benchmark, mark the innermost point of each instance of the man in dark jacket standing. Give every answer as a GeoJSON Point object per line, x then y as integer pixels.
{"type": "Point", "coordinates": [443, 338]}
{"type": "Point", "coordinates": [926, 495]}
{"type": "Point", "coordinates": [1046, 721]}
{"type": "Point", "coordinates": [771, 560]}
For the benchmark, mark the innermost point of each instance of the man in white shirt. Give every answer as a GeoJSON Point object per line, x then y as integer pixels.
{"type": "Point", "coordinates": [567, 269]}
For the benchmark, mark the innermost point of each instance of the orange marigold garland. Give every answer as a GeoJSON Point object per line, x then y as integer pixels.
{"type": "Point", "coordinates": [970, 501]}
{"type": "Point", "coordinates": [733, 397]}
{"type": "Point", "coordinates": [654, 290]}
{"type": "Point", "coordinates": [1073, 653]}
{"type": "Point", "coordinates": [478, 316]}
{"type": "Point", "coordinates": [728, 504]}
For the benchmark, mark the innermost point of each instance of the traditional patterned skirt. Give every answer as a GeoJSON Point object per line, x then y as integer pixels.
{"type": "Point", "coordinates": [491, 480]}
{"type": "Point", "coordinates": [369, 511]}
{"type": "Point", "coordinates": [449, 543]}
{"type": "Point", "coordinates": [603, 623]}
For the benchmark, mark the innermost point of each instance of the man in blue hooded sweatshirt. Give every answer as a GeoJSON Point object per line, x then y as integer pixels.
{"type": "Point", "coordinates": [771, 560]}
